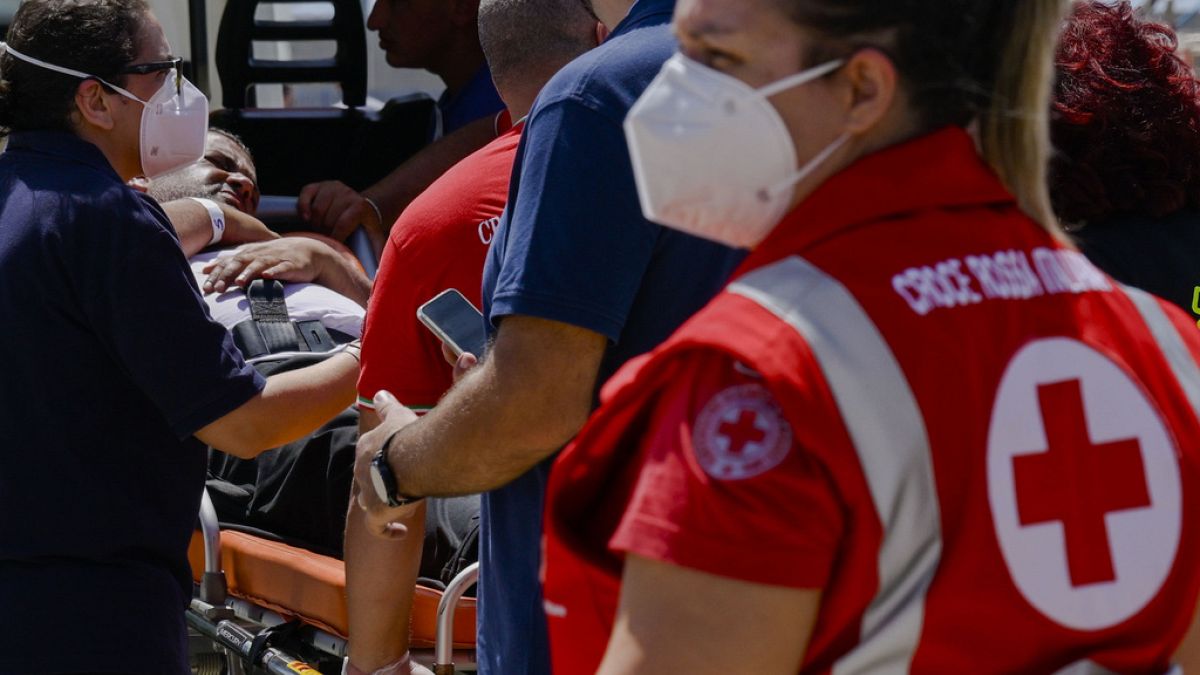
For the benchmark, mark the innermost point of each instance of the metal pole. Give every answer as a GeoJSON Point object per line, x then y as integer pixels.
{"type": "Point", "coordinates": [443, 660]}
{"type": "Point", "coordinates": [198, 36]}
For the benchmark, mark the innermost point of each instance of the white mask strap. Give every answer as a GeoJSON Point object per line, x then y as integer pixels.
{"type": "Point", "coordinates": [804, 171]}
{"type": "Point", "coordinates": [802, 77]}
{"type": "Point", "coordinates": [5, 47]}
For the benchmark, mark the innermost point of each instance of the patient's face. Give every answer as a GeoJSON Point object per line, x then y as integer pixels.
{"type": "Point", "coordinates": [225, 174]}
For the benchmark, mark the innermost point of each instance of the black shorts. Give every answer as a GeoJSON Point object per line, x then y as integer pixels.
{"type": "Point", "coordinates": [299, 494]}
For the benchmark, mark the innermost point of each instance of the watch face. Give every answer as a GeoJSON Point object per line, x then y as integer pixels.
{"type": "Point", "coordinates": [381, 488]}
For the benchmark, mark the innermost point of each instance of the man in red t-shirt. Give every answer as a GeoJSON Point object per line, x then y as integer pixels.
{"type": "Point", "coordinates": [440, 242]}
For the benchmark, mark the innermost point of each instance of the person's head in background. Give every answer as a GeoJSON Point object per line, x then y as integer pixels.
{"type": "Point", "coordinates": [440, 36]}
{"type": "Point", "coordinates": [900, 69]}
{"type": "Point", "coordinates": [527, 41]}
{"type": "Point", "coordinates": [1125, 120]}
{"type": "Point", "coordinates": [225, 173]}
{"type": "Point", "coordinates": [117, 41]}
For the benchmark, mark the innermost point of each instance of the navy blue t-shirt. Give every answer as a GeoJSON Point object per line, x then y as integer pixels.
{"type": "Point", "coordinates": [111, 363]}
{"type": "Point", "coordinates": [574, 247]}
{"type": "Point", "coordinates": [477, 99]}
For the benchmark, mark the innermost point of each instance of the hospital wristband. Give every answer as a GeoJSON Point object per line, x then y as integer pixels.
{"type": "Point", "coordinates": [215, 216]}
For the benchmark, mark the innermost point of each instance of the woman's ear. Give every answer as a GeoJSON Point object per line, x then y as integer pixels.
{"type": "Point", "coordinates": [93, 106]}
{"type": "Point", "coordinates": [873, 80]}
{"type": "Point", "coordinates": [601, 33]}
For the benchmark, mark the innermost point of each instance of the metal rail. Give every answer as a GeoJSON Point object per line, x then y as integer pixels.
{"type": "Point", "coordinates": [241, 641]}
{"type": "Point", "coordinates": [213, 588]}
{"type": "Point", "coordinates": [443, 659]}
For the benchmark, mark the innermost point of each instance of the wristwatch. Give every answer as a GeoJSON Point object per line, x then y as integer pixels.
{"type": "Point", "coordinates": [384, 481]}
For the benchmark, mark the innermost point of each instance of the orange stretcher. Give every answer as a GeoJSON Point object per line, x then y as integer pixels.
{"type": "Point", "coordinates": [250, 587]}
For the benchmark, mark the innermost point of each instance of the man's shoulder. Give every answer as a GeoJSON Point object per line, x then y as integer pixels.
{"type": "Point", "coordinates": [610, 77]}
{"type": "Point", "coordinates": [469, 193]}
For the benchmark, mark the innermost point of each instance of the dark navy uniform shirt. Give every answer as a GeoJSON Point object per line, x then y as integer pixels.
{"type": "Point", "coordinates": [574, 247]}
{"type": "Point", "coordinates": [476, 100]}
{"type": "Point", "coordinates": [110, 364]}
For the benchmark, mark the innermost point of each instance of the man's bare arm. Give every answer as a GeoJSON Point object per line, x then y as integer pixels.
{"type": "Point", "coordinates": [676, 620]}
{"type": "Point", "coordinates": [194, 226]}
{"type": "Point", "coordinates": [379, 602]}
{"type": "Point", "coordinates": [292, 259]}
{"type": "Point", "coordinates": [396, 191]}
{"type": "Point", "coordinates": [527, 398]}
{"type": "Point", "coordinates": [334, 208]}
{"type": "Point", "coordinates": [1188, 655]}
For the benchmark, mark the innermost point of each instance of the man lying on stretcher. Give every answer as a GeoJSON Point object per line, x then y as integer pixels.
{"type": "Point", "coordinates": [323, 280]}
{"type": "Point", "coordinates": [297, 492]}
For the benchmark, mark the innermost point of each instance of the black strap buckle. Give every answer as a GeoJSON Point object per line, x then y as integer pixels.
{"type": "Point", "coordinates": [270, 329]}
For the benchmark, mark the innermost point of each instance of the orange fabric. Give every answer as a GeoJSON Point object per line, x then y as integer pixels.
{"type": "Point", "coordinates": [302, 584]}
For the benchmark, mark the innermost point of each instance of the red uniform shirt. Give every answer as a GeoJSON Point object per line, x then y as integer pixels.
{"type": "Point", "coordinates": [439, 242]}
{"type": "Point", "coordinates": [981, 449]}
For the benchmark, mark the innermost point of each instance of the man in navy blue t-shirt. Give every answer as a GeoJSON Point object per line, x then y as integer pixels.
{"type": "Point", "coordinates": [113, 369]}
{"type": "Point", "coordinates": [442, 38]}
{"type": "Point", "coordinates": [577, 283]}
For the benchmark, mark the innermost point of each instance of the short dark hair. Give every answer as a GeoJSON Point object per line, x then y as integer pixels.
{"type": "Point", "coordinates": [528, 39]}
{"type": "Point", "coordinates": [98, 37]}
{"type": "Point", "coordinates": [1126, 119]}
{"type": "Point", "coordinates": [234, 138]}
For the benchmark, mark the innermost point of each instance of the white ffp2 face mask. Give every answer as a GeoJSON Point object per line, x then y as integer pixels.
{"type": "Point", "coordinates": [711, 155]}
{"type": "Point", "coordinates": [174, 120]}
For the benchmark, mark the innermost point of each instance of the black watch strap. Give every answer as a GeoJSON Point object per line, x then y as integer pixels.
{"type": "Point", "coordinates": [387, 477]}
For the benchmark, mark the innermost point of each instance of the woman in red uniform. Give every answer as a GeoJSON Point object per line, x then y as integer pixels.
{"type": "Point", "coordinates": [918, 432]}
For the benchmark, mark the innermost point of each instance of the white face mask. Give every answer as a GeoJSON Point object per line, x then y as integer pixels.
{"type": "Point", "coordinates": [711, 155]}
{"type": "Point", "coordinates": [174, 120]}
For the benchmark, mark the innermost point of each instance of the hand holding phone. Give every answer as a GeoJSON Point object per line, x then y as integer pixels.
{"type": "Point", "coordinates": [456, 322]}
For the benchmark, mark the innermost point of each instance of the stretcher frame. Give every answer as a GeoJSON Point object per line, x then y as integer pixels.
{"type": "Point", "coordinates": [243, 632]}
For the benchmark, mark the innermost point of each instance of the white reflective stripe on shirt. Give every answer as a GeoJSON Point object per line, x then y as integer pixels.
{"type": "Point", "coordinates": [1180, 360]}
{"type": "Point", "coordinates": [888, 431]}
{"type": "Point", "coordinates": [1183, 366]}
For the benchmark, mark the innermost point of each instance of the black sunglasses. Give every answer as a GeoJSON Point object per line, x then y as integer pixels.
{"type": "Point", "coordinates": [153, 67]}
{"type": "Point", "coordinates": [158, 66]}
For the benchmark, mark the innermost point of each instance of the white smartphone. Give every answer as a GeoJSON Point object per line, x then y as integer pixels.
{"type": "Point", "coordinates": [455, 321]}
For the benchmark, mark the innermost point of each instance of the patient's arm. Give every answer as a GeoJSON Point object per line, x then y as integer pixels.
{"type": "Point", "coordinates": [292, 405]}
{"type": "Point", "coordinates": [194, 226]}
{"type": "Point", "coordinates": [334, 208]}
{"type": "Point", "coordinates": [294, 259]}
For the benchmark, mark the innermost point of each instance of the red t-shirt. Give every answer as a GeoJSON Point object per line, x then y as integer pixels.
{"type": "Point", "coordinates": [440, 241]}
{"type": "Point", "coordinates": [983, 452]}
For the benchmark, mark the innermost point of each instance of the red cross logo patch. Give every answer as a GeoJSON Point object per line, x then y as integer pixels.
{"type": "Point", "coordinates": [1084, 485]}
{"type": "Point", "coordinates": [741, 433]}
